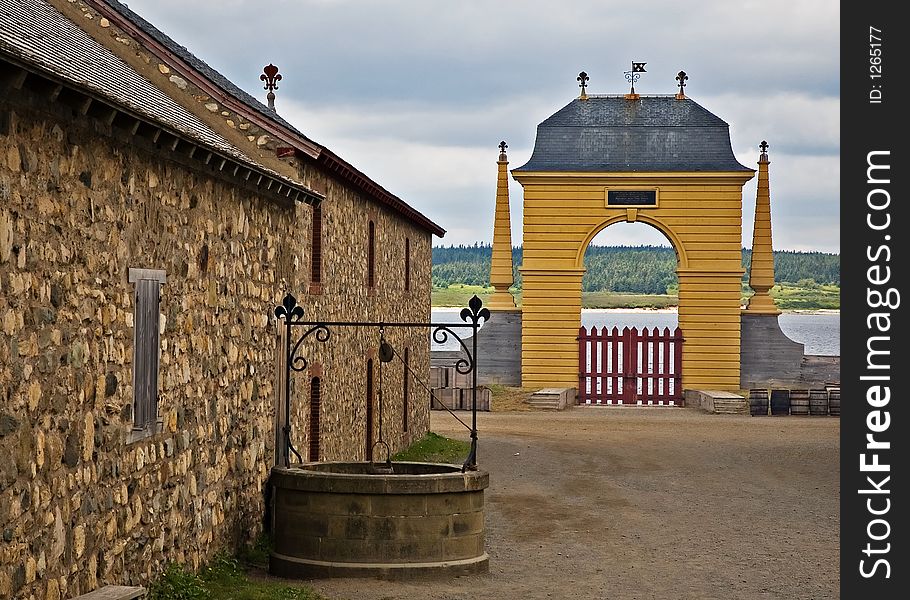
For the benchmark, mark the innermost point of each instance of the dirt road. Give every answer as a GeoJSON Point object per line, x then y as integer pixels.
{"type": "Point", "coordinates": [659, 503]}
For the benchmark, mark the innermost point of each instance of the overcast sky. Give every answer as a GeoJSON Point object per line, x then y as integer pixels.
{"type": "Point", "coordinates": [417, 94]}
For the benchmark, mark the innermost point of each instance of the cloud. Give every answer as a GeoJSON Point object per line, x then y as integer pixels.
{"type": "Point", "coordinates": [418, 94]}
{"type": "Point", "coordinates": [791, 123]}
{"type": "Point", "coordinates": [805, 208]}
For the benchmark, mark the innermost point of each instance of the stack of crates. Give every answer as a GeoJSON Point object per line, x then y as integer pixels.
{"type": "Point", "coordinates": [452, 390]}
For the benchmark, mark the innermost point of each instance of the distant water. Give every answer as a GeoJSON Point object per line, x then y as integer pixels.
{"type": "Point", "coordinates": [820, 332]}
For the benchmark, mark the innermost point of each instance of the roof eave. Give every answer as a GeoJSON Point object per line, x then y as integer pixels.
{"type": "Point", "coordinates": [254, 176]}
{"type": "Point", "coordinates": [335, 164]}
{"type": "Point", "coordinates": [301, 143]}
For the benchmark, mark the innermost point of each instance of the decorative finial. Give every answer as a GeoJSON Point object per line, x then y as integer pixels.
{"type": "Point", "coordinates": [271, 77]}
{"type": "Point", "coordinates": [681, 77]}
{"type": "Point", "coordinates": [502, 150]}
{"type": "Point", "coordinates": [583, 83]}
{"type": "Point", "coordinates": [633, 75]}
{"type": "Point", "coordinates": [764, 150]}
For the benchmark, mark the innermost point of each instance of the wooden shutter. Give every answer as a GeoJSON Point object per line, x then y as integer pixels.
{"type": "Point", "coordinates": [146, 353]}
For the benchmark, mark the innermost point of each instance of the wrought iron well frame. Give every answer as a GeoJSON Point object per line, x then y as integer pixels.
{"type": "Point", "coordinates": [293, 316]}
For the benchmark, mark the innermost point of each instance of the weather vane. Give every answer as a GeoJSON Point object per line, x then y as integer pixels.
{"type": "Point", "coordinates": [583, 83]}
{"type": "Point", "coordinates": [681, 77]}
{"type": "Point", "coordinates": [634, 75]}
{"type": "Point", "coordinates": [271, 77]}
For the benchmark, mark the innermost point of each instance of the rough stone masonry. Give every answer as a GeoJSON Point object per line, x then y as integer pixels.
{"type": "Point", "coordinates": [81, 503]}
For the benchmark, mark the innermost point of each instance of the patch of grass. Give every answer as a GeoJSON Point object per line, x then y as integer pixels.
{"type": "Point", "coordinates": [257, 553]}
{"type": "Point", "coordinates": [459, 294]}
{"type": "Point", "coordinates": [224, 578]}
{"type": "Point", "coordinates": [176, 583]}
{"type": "Point", "coordinates": [788, 296]}
{"type": "Point", "coordinates": [435, 448]}
{"type": "Point", "coordinates": [794, 297]}
{"type": "Point", "coordinates": [616, 300]}
{"type": "Point", "coordinates": [508, 398]}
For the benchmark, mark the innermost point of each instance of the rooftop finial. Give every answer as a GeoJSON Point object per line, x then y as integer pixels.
{"type": "Point", "coordinates": [681, 77]}
{"type": "Point", "coordinates": [502, 150]}
{"type": "Point", "coordinates": [271, 77]}
{"type": "Point", "coordinates": [634, 75]}
{"type": "Point", "coordinates": [764, 150]}
{"type": "Point", "coordinates": [583, 83]}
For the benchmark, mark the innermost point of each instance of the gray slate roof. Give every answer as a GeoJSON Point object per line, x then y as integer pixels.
{"type": "Point", "coordinates": [611, 133]}
{"type": "Point", "coordinates": [37, 34]}
{"type": "Point", "coordinates": [201, 66]}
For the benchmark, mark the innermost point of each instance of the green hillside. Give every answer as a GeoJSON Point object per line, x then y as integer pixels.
{"type": "Point", "coordinates": [640, 276]}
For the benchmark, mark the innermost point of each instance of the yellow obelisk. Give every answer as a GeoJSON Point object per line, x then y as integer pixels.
{"type": "Point", "coordinates": [761, 272]}
{"type": "Point", "coordinates": [501, 263]}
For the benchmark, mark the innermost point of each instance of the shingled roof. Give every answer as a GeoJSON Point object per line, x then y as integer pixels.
{"type": "Point", "coordinates": [35, 34]}
{"type": "Point", "coordinates": [199, 65]}
{"type": "Point", "coordinates": [265, 116]}
{"type": "Point", "coordinates": [616, 134]}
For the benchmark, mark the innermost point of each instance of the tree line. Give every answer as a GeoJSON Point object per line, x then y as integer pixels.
{"type": "Point", "coordinates": [632, 269]}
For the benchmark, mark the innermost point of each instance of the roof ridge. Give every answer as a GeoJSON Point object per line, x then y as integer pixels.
{"type": "Point", "coordinates": [197, 63]}
{"type": "Point", "coordinates": [639, 96]}
{"type": "Point", "coordinates": [304, 145]}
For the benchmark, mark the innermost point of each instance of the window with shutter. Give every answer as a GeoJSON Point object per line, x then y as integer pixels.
{"type": "Point", "coordinates": [146, 347]}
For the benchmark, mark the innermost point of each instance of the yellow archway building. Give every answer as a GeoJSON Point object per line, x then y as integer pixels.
{"type": "Point", "coordinates": [660, 160]}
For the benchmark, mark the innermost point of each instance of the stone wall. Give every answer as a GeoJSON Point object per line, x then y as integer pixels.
{"type": "Point", "coordinates": [81, 505]}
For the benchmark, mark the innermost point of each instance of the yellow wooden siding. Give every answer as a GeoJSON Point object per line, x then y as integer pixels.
{"type": "Point", "coordinates": [703, 212]}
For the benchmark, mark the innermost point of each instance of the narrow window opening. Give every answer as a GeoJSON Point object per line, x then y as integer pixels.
{"type": "Point", "coordinates": [369, 423]}
{"type": "Point", "coordinates": [315, 402]}
{"type": "Point", "coordinates": [404, 392]}
{"type": "Point", "coordinates": [407, 264]}
{"type": "Point", "coordinates": [371, 256]}
{"type": "Point", "coordinates": [316, 247]}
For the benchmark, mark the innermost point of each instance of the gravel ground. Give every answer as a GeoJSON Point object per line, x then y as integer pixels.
{"type": "Point", "coordinates": [647, 503]}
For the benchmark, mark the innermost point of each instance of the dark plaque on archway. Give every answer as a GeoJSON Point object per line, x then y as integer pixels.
{"type": "Point", "coordinates": [631, 197]}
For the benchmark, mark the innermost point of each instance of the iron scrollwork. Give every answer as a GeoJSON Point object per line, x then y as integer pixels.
{"type": "Point", "coordinates": [292, 314]}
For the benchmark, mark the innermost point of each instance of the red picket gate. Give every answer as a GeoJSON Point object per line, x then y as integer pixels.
{"type": "Point", "coordinates": [628, 367]}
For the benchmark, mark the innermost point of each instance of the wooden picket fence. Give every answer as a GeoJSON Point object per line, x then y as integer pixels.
{"type": "Point", "coordinates": [630, 367]}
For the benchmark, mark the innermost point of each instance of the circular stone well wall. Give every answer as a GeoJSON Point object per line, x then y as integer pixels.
{"type": "Point", "coordinates": [340, 519]}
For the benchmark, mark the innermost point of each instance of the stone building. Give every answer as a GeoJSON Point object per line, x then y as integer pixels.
{"type": "Point", "coordinates": [152, 215]}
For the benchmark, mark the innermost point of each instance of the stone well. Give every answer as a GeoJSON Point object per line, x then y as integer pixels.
{"type": "Point", "coordinates": [347, 519]}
